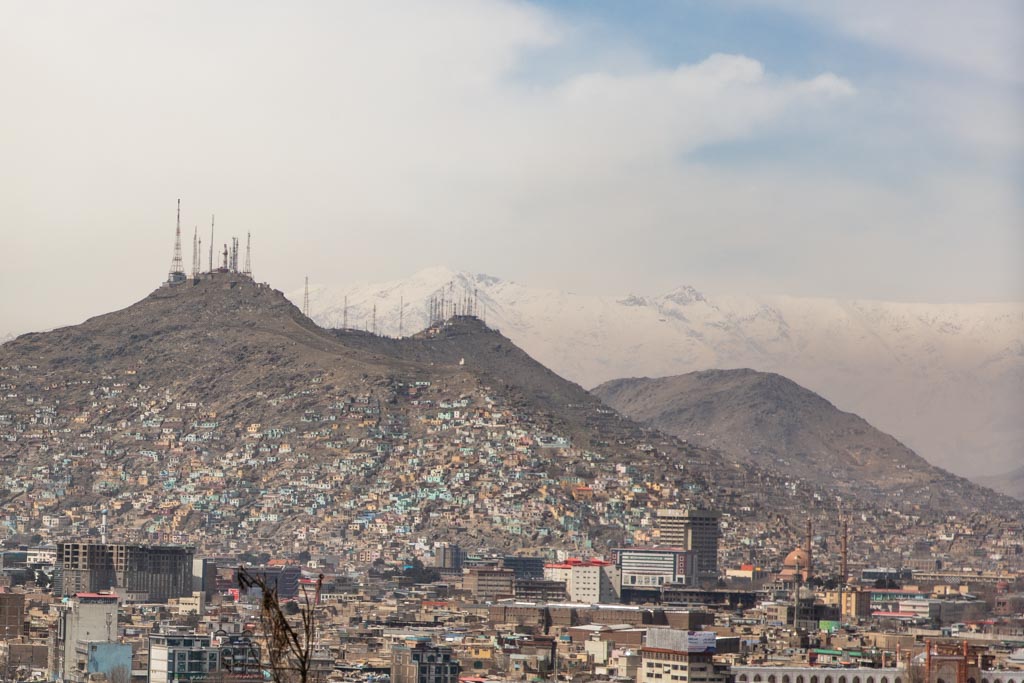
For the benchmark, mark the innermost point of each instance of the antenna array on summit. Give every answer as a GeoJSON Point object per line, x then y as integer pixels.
{"type": "Point", "coordinates": [229, 263]}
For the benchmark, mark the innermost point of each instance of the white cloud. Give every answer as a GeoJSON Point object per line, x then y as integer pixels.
{"type": "Point", "coordinates": [983, 39]}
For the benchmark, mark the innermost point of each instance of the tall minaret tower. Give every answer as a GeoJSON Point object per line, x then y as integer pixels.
{"type": "Point", "coordinates": [810, 552]}
{"type": "Point", "coordinates": [177, 272]}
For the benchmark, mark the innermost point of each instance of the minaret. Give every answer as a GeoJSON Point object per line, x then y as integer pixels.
{"type": "Point", "coordinates": [809, 572]}
{"type": "Point", "coordinates": [843, 568]}
{"type": "Point", "coordinates": [177, 272]}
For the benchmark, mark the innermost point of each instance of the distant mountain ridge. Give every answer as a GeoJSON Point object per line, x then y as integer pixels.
{"type": "Point", "coordinates": [767, 419]}
{"type": "Point", "coordinates": [944, 379]}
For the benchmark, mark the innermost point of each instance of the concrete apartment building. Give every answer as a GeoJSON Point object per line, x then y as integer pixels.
{"type": "Point", "coordinates": [12, 615]}
{"type": "Point", "coordinates": [586, 581]}
{"type": "Point", "coordinates": [419, 661]}
{"type": "Point", "coordinates": [489, 583]}
{"type": "Point", "coordinates": [643, 572]}
{"type": "Point", "coordinates": [672, 655]}
{"type": "Point", "coordinates": [83, 619]}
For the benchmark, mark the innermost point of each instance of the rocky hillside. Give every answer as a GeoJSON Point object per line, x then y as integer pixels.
{"type": "Point", "coordinates": [214, 413]}
{"type": "Point", "coordinates": [767, 419]}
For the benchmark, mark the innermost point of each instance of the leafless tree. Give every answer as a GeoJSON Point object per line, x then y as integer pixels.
{"type": "Point", "coordinates": [289, 647]}
{"type": "Point", "coordinates": [120, 674]}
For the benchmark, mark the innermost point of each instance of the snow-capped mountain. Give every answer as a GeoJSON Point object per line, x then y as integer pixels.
{"type": "Point", "coordinates": [947, 380]}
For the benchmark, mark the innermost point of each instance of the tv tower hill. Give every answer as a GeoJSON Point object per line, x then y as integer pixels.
{"type": "Point", "coordinates": [227, 263]}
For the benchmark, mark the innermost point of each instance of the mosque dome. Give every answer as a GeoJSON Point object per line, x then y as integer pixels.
{"type": "Point", "coordinates": [797, 558]}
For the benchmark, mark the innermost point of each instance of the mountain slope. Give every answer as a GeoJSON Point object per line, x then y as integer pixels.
{"type": "Point", "coordinates": [945, 379]}
{"type": "Point", "coordinates": [765, 418]}
{"type": "Point", "coordinates": [214, 413]}
{"type": "Point", "coordinates": [1011, 483]}
{"type": "Point", "coordinates": [216, 408]}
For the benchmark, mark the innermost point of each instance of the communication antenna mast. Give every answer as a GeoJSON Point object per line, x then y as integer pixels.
{"type": "Point", "coordinates": [248, 254]}
{"type": "Point", "coordinates": [344, 315]}
{"type": "Point", "coordinates": [212, 218]}
{"type": "Point", "coordinates": [374, 326]}
{"type": "Point", "coordinates": [177, 272]}
{"type": "Point", "coordinates": [305, 299]}
{"type": "Point", "coordinates": [195, 253]}
{"type": "Point", "coordinates": [401, 311]}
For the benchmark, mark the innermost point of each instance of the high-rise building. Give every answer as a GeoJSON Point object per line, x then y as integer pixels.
{"type": "Point", "coordinates": [420, 661]}
{"type": "Point", "coordinates": [204, 576]}
{"type": "Point", "coordinates": [696, 530]}
{"type": "Point", "coordinates": [449, 558]}
{"type": "Point", "coordinates": [149, 572]}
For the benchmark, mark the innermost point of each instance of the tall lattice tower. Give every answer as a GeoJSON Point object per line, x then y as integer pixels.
{"type": "Point", "coordinates": [177, 272]}
{"type": "Point", "coordinates": [195, 253]}
{"type": "Point", "coordinates": [305, 299]}
{"type": "Point", "coordinates": [248, 255]}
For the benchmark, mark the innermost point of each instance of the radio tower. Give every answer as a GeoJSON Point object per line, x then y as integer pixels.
{"type": "Point", "coordinates": [401, 312]}
{"type": "Point", "coordinates": [177, 272]}
{"type": "Point", "coordinates": [248, 255]}
{"type": "Point", "coordinates": [195, 254]}
{"type": "Point", "coordinates": [212, 218]}
{"type": "Point", "coordinates": [344, 318]}
{"type": "Point", "coordinates": [305, 300]}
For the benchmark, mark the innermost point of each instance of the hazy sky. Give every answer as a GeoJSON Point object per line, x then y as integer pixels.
{"type": "Point", "coordinates": [870, 149]}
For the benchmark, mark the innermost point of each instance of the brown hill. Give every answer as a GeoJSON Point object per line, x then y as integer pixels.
{"type": "Point", "coordinates": [213, 412]}
{"type": "Point", "coordinates": [767, 419]}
